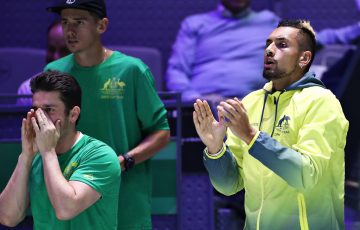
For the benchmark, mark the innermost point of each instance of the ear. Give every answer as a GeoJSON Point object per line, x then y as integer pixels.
{"type": "Point", "coordinates": [305, 58]}
{"type": "Point", "coordinates": [74, 114]}
{"type": "Point", "coordinates": [102, 25]}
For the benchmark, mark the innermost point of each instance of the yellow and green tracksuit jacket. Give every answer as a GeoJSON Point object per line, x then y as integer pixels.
{"type": "Point", "coordinates": [293, 170]}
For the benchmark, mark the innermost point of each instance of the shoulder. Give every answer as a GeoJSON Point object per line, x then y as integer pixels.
{"type": "Point", "coordinates": [318, 94]}
{"type": "Point", "coordinates": [200, 17]}
{"type": "Point", "coordinates": [128, 62]}
{"type": "Point", "coordinates": [96, 149]}
{"type": "Point", "coordinates": [267, 14]}
{"type": "Point", "coordinates": [320, 101]}
{"type": "Point", "coordinates": [61, 63]}
{"type": "Point", "coordinates": [196, 20]}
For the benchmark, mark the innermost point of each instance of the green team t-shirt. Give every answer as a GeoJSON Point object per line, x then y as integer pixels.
{"type": "Point", "coordinates": [91, 162]}
{"type": "Point", "coordinates": [121, 107]}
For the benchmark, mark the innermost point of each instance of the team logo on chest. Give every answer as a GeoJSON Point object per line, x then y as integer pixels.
{"type": "Point", "coordinates": [283, 124]}
{"type": "Point", "coordinates": [113, 88]}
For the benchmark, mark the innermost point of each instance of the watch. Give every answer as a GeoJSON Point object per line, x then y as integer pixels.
{"type": "Point", "coordinates": [129, 162]}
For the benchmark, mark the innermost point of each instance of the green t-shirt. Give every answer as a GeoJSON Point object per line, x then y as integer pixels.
{"type": "Point", "coordinates": [120, 106]}
{"type": "Point", "coordinates": [89, 161]}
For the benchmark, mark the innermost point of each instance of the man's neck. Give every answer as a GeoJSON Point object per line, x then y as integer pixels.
{"type": "Point", "coordinates": [282, 83]}
{"type": "Point", "coordinates": [232, 13]}
{"type": "Point", "coordinates": [91, 57]}
{"type": "Point", "coordinates": [66, 142]}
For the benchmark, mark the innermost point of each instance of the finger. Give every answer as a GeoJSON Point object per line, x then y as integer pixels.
{"type": "Point", "coordinates": [228, 110]}
{"type": "Point", "coordinates": [35, 125]}
{"type": "Point", "coordinates": [27, 120]}
{"type": "Point", "coordinates": [44, 119]}
{"type": "Point", "coordinates": [203, 109]}
{"type": "Point", "coordinates": [23, 124]}
{"type": "Point", "coordinates": [224, 113]}
{"type": "Point", "coordinates": [197, 111]}
{"type": "Point", "coordinates": [222, 119]}
{"type": "Point", "coordinates": [241, 104]}
{"type": "Point", "coordinates": [38, 118]}
{"type": "Point", "coordinates": [58, 125]}
{"type": "Point", "coordinates": [237, 106]}
{"type": "Point", "coordinates": [208, 109]}
{"type": "Point", "coordinates": [195, 120]}
{"type": "Point", "coordinates": [230, 106]}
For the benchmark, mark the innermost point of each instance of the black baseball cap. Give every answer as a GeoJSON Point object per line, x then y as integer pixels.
{"type": "Point", "coordinates": [96, 6]}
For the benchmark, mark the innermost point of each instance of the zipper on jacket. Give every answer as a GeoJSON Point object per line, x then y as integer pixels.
{"type": "Point", "coordinates": [302, 212]}
{"type": "Point", "coordinates": [263, 109]}
{"type": "Point", "coordinates": [276, 102]}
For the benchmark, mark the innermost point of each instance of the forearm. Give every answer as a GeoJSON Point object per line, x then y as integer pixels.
{"type": "Point", "coordinates": [295, 169]}
{"type": "Point", "coordinates": [14, 200]}
{"type": "Point", "coordinates": [150, 146]}
{"type": "Point", "coordinates": [61, 193]}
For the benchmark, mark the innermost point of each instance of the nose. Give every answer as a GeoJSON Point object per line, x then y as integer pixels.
{"type": "Point", "coordinates": [69, 28]}
{"type": "Point", "coordinates": [269, 51]}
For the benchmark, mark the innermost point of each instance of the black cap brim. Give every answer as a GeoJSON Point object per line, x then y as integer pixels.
{"type": "Point", "coordinates": [58, 9]}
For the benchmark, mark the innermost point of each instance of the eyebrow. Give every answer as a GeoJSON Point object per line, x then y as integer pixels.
{"type": "Point", "coordinates": [75, 19]}
{"type": "Point", "coordinates": [277, 39]}
{"type": "Point", "coordinates": [34, 107]}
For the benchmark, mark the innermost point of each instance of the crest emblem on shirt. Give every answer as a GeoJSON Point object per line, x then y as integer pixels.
{"type": "Point", "coordinates": [283, 124]}
{"type": "Point", "coordinates": [113, 88]}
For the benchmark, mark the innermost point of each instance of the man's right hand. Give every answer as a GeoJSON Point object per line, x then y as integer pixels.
{"type": "Point", "coordinates": [210, 131]}
{"type": "Point", "coordinates": [28, 135]}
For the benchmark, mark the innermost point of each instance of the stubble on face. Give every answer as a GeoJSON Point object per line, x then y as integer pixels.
{"type": "Point", "coordinates": [277, 73]}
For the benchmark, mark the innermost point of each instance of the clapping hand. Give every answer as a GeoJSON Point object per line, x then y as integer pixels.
{"type": "Point", "coordinates": [210, 131]}
{"type": "Point", "coordinates": [234, 112]}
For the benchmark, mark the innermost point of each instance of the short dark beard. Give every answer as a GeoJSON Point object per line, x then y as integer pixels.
{"type": "Point", "coordinates": [275, 75]}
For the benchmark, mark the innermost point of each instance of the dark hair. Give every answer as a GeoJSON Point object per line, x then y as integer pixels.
{"type": "Point", "coordinates": [66, 85]}
{"type": "Point", "coordinates": [307, 39]}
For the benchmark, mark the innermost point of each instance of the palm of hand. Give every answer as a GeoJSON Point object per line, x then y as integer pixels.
{"type": "Point", "coordinates": [211, 132]}
{"type": "Point", "coordinates": [28, 139]}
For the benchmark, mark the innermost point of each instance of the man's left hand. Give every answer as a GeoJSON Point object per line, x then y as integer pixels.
{"type": "Point", "coordinates": [238, 121]}
{"type": "Point", "coordinates": [47, 134]}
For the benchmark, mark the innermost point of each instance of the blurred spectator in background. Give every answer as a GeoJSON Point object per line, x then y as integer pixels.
{"type": "Point", "coordinates": [218, 54]}
{"type": "Point", "coordinates": [56, 48]}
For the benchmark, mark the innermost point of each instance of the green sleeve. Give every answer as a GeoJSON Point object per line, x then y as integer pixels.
{"type": "Point", "coordinates": [100, 169]}
{"type": "Point", "coordinates": [151, 110]}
